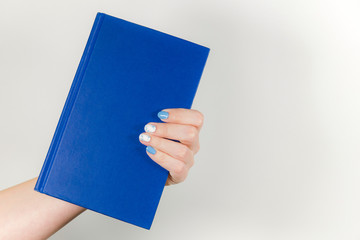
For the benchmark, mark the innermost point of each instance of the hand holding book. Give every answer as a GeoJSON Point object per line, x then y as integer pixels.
{"type": "Point", "coordinates": [94, 159]}
{"type": "Point", "coordinates": [182, 125]}
{"type": "Point", "coordinates": [40, 216]}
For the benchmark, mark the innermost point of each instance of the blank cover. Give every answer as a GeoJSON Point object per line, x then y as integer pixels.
{"type": "Point", "coordinates": [127, 74]}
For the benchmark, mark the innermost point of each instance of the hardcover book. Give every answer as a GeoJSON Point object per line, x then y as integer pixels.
{"type": "Point", "coordinates": [127, 74]}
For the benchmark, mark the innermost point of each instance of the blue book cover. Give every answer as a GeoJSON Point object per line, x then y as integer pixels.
{"type": "Point", "coordinates": [127, 74]}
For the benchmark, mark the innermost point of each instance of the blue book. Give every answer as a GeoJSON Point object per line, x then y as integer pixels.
{"type": "Point", "coordinates": [127, 74]}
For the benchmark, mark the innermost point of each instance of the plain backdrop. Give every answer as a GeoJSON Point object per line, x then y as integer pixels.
{"type": "Point", "coordinates": [280, 144]}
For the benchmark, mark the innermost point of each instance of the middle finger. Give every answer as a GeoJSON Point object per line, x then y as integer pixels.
{"type": "Point", "coordinates": [186, 134]}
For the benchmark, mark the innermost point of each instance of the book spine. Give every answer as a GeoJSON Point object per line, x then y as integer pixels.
{"type": "Point", "coordinates": [41, 182]}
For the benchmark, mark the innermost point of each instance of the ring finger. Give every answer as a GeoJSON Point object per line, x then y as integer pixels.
{"type": "Point", "coordinates": [177, 150]}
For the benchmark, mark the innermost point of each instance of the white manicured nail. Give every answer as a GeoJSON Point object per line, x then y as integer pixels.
{"type": "Point", "coordinates": [144, 137]}
{"type": "Point", "coordinates": [150, 128]}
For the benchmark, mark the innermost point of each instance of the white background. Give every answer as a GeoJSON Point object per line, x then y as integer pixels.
{"type": "Point", "coordinates": [280, 149]}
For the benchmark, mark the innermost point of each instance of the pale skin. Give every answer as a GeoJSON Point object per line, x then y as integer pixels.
{"type": "Point", "coordinates": [27, 214]}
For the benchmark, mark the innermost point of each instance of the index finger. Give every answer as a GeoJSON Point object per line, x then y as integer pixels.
{"type": "Point", "coordinates": [182, 116]}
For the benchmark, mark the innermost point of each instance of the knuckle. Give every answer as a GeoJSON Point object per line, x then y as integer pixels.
{"type": "Point", "coordinates": [182, 152]}
{"type": "Point", "coordinates": [191, 162]}
{"type": "Point", "coordinates": [180, 169]}
{"type": "Point", "coordinates": [199, 117]}
{"type": "Point", "coordinates": [191, 133]}
{"type": "Point", "coordinates": [196, 148]}
{"type": "Point", "coordinates": [181, 179]}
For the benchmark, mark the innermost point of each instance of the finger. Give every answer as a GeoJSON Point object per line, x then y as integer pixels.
{"type": "Point", "coordinates": [186, 134]}
{"type": "Point", "coordinates": [177, 169]}
{"type": "Point", "coordinates": [177, 150]}
{"type": "Point", "coordinates": [182, 116]}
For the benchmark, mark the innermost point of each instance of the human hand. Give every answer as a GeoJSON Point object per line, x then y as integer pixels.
{"type": "Point", "coordinates": [177, 157]}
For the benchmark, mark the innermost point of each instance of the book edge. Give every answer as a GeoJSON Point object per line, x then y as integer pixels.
{"type": "Point", "coordinates": [44, 173]}
{"type": "Point", "coordinates": [159, 32]}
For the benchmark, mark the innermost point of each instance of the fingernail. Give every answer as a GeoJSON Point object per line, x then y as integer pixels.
{"type": "Point", "coordinates": [150, 149]}
{"type": "Point", "coordinates": [144, 137]}
{"type": "Point", "coordinates": [163, 115]}
{"type": "Point", "coordinates": [150, 128]}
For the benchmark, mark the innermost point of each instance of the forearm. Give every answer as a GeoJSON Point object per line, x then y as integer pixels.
{"type": "Point", "coordinates": [27, 214]}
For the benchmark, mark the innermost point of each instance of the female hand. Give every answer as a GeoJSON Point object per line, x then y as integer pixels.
{"type": "Point", "coordinates": [177, 157]}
